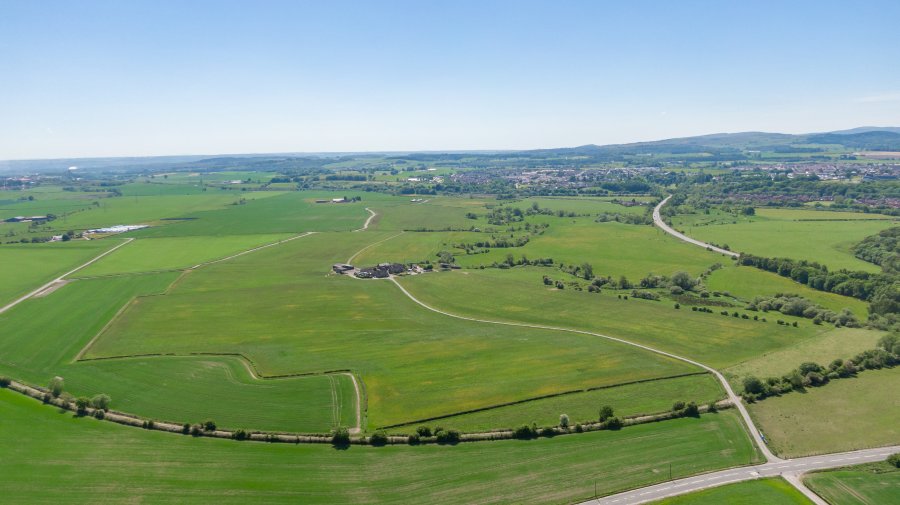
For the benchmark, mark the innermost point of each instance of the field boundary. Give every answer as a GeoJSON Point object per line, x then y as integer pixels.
{"type": "Point", "coordinates": [541, 397]}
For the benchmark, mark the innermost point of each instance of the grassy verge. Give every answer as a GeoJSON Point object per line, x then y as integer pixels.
{"type": "Point", "coordinates": [776, 491]}
{"type": "Point", "coordinates": [857, 485]}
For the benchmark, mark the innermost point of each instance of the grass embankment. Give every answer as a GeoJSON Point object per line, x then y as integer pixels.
{"type": "Point", "coordinates": [776, 491]}
{"type": "Point", "coordinates": [825, 237]}
{"type": "Point", "coordinates": [870, 484]}
{"type": "Point", "coordinates": [844, 415]}
{"type": "Point", "coordinates": [51, 457]}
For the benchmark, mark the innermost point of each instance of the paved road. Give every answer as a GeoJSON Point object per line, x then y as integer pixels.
{"type": "Point", "coordinates": [657, 220]}
{"type": "Point", "coordinates": [735, 399]}
{"type": "Point", "coordinates": [789, 468]}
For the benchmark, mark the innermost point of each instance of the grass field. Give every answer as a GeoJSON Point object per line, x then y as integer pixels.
{"type": "Point", "coordinates": [519, 295]}
{"type": "Point", "coordinates": [279, 308]}
{"type": "Point", "coordinates": [746, 283]}
{"type": "Point", "coordinates": [869, 484]}
{"type": "Point", "coordinates": [51, 457]}
{"type": "Point", "coordinates": [145, 255]}
{"type": "Point", "coordinates": [844, 415]}
{"type": "Point", "coordinates": [41, 338]}
{"type": "Point", "coordinates": [841, 343]}
{"type": "Point", "coordinates": [825, 237]}
{"type": "Point", "coordinates": [627, 400]}
{"type": "Point", "coordinates": [24, 267]}
{"type": "Point", "coordinates": [775, 491]}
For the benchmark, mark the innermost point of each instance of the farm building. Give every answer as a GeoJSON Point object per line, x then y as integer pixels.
{"type": "Point", "coordinates": [341, 268]}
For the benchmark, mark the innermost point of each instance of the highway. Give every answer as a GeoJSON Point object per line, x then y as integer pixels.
{"type": "Point", "coordinates": [790, 469]}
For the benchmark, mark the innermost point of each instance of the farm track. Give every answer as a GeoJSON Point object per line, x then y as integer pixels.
{"type": "Point", "coordinates": [658, 221]}
{"type": "Point", "coordinates": [372, 215]}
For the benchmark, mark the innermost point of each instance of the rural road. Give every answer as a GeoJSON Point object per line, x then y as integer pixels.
{"type": "Point", "coordinates": [60, 278]}
{"type": "Point", "coordinates": [734, 398]}
{"type": "Point", "coordinates": [790, 468]}
{"type": "Point", "coordinates": [657, 220]}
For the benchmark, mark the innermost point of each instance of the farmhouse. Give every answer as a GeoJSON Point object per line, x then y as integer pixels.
{"type": "Point", "coordinates": [382, 271]}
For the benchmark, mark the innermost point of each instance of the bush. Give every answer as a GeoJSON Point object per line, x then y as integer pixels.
{"type": "Point", "coordinates": [378, 438]}
{"type": "Point", "coordinates": [340, 437]}
{"type": "Point", "coordinates": [548, 432]}
{"type": "Point", "coordinates": [692, 410]}
{"type": "Point", "coordinates": [606, 412]}
{"type": "Point", "coordinates": [196, 430]}
{"type": "Point", "coordinates": [423, 431]}
{"type": "Point", "coordinates": [579, 428]}
{"type": "Point", "coordinates": [240, 435]}
{"type": "Point", "coordinates": [677, 406]}
{"type": "Point", "coordinates": [185, 428]}
{"type": "Point", "coordinates": [613, 423]}
{"type": "Point", "coordinates": [563, 421]}
{"type": "Point", "coordinates": [81, 405]}
{"type": "Point", "coordinates": [677, 306]}
{"type": "Point", "coordinates": [99, 413]}
{"type": "Point", "coordinates": [711, 408]}
{"type": "Point", "coordinates": [4, 382]}
{"type": "Point", "coordinates": [57, 384]}
{"type": "Point", "coordinates": [100, 401]}
{"type": "Point", "coordinates": [894, 459]}
{"type": "Point", "coordinates": [525, 432]}
{"type": "Point", "coordinates": [209, 425]}
{"type": "Point", "coordinates": [448, 437]}
{"type": "Point", "coordinates": [413, 439]}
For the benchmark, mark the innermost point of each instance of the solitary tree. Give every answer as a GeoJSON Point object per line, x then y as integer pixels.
{"type": "Point", "coordinates": [563, 421]}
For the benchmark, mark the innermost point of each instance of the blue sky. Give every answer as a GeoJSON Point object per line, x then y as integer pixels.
{"type": "Point", "coordinates": [115, 78]}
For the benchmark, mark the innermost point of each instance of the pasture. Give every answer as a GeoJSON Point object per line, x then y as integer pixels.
{"type": "Point", "coordinates": [825, 237]}
{"type": "Point", "coordinates": [846, 414]}
{"type": "Point", "coordinates": [857, 485]}
{"type": "Point", "coordinates": [52, 457]}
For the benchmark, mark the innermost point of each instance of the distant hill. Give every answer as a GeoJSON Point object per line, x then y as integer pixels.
{"type": "Point", "coordinates": [866, 129]}
{"type": "Point", "coordinates": [878, 140]}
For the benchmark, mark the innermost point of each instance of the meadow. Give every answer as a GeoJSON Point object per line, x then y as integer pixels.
{"type": "Point", "coordinates": [825, 237]}
{"type": "Point", "coordinates": [857, 485]}
{"type": "Point", "coordinates": [772, 491]}
{"type": "Point", "coordinates": [846, 414]}
{"type": "Point", "coordinates": [52, 457]}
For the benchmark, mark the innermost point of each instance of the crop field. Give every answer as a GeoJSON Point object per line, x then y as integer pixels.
{"type": "Point", "coordinates": [519, 295]}
{"type": "Point", "coordinates": [825, 237]}
{"type": "Point", "coordinates": [857, 485]}
{"type": "Point", "coordinates": [772, 491]}
{"type": "Point", "coordinates": [303, 318]}
{"type": "Point", "coordinates": [24, 267]}
{"type": "Point", "coordinates": [90, 461]}
{"type": "Point", "coordinates": [746, 283]}
{"type": "Point", "coordinates": [844, 415]}
{"type": "Point", "coordinates": [626, 400]}
{"type": "Point", "coordinates": [167, 253]}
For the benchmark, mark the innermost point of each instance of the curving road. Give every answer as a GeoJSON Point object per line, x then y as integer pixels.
{"type": "Point", "coordinates": [657, 220]}
{"type": "Point", "coordinates": [735, 399]}
{"type": "Point", "coordinates": [790, 469]}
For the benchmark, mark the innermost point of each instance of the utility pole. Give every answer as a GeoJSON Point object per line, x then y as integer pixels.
{"type": "Point", "coordinates": [670, 471]}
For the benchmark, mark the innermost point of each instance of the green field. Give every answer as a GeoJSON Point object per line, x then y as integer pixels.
{"type": "Point", "coordinates": [25, 267]}
{"type": "Point", "coordinates": [627, 400]}
{"type": "Point", "coordinates": [519, 295]}
{"type": "Point", "coordinates": [774, 491]}
{"type": "Point", "coordinates": [747, 283]}
{"type": "Point", "coordinates": [146, 255]}
{"type": "Point", "coordinates": [51, 457]}
{"type": "Point", "coordinates": [844, 415]}
{"type": "Point", "coordinates": [825, 237]}
{"type": "Point", "coordinates": [869, 484]}
{"type": "Point", "coordinates": [840, 343]}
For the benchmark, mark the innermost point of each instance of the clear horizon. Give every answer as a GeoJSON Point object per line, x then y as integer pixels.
{"type": "Point", "coordinates": [105, 79]}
